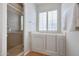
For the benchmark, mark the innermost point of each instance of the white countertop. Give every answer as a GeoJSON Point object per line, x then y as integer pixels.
{"type": "Point", "coordinates": [48, 33]}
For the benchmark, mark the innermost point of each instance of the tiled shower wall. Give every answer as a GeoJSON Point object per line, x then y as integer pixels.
{"type": "Point", "coordinates": [13, 20]}
{"type": "Point", "coordinates": [14, 39]}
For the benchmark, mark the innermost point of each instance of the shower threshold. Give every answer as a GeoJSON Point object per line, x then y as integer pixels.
{"type": "Point", "coordinates": [16, 51]}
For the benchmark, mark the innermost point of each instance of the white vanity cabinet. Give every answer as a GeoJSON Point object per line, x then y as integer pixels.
{"type": "Point", "coordinates": [61, 45]}
{"type": "Point", "coordinates": [38, 42]}
{"type": "Point", "coordinates": [52, 44]}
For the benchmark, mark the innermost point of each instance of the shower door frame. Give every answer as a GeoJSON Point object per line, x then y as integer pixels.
{"type": "Point", "coordinates": [20, 26]}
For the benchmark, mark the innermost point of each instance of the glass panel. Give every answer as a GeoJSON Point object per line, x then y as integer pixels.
{"type": "Point", "coordinates": [52, 20]}
{"type": "Point", "coordinates": [42, 21]}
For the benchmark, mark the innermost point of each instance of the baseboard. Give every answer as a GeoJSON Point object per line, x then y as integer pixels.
{"type": "Point", "coordinates": [40, 51]}
{"type": "Point", "coordinates": [25, 54]}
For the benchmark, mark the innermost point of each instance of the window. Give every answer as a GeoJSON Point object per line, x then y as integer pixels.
{"type": "Point", "coordinates": [48, 21]}
{"type": "Point", "coordinates": [21, 23]}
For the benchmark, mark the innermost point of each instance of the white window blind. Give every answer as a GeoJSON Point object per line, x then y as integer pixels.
{"type": "Point", "coordinates": [42, 21]}
{"type": "Point", "coordinates": [52, 20]}
{"type": "Point", "coordinates": [48, 21]}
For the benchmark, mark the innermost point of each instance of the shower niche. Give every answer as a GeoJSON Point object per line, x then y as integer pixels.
{"type": "Point", "coordinates": [15, 29]}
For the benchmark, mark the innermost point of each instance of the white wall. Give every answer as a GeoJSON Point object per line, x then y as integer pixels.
{"type": "Point", "coordinates": [3, 29]}
{"type": "Point", "coordinates": [29, 23]}
{"type": "Point", "coordinates": [0, 29]}
{"type": "Point", "coordinates": [43, 7]}
{"type": "Point", "coordinates": [31, 16]}
{"type": "Point", "coordinates": [47, 6]}
{"type": "Point", "coordinates": [67, 14]}
{"type": "Point", "coordinates": [72, 36]}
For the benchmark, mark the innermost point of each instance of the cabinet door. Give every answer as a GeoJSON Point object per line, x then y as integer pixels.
{"type": "Point", "coordinates": [51, 45]}
{"type": "Point", "coordinates": [61, 45]}
{"type": "Point", "coordinates": [38, 42]}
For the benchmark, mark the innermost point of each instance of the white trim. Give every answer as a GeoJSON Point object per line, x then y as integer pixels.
{"type": "Point", "coordinates": [4, 32]}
